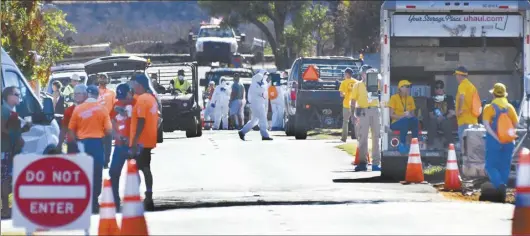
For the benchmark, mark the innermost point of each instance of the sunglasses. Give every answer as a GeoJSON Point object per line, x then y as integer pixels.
{"type": "Point", "coordinates": [439, 87]}
{"type": "Point", "coordinates": [405, 86]}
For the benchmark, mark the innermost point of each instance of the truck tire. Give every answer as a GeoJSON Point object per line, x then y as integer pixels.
{"type": "Point", "coordinates": [289, 125]}
{"type": "Point", "coordinates": [199, 129]}
{"type": "Point", "coordinates": [192, 131]}
{"type": "Point", "coordinates": [160, 135]}
{"type": "Point", "coordinates": [300, 130]}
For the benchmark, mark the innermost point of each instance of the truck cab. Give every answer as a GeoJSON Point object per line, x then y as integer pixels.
{"type": "Point", "coordinates": [44, 133]}
{"type": "Point", "coordinates": [491, 39]}
{"type": "Point", "coordinates": [215, 43]}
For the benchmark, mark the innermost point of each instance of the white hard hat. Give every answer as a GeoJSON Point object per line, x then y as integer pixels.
{"type": "Point", "coordinates": [76, 77]}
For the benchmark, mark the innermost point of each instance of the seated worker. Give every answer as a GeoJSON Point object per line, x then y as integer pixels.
{"type": "Point", "coordinates": [159, 88]}
{"type": "Point", "coordinates": [499, 118]}
{"type": "Point", "coordinates": [180, 84]}
{"type": "Point", "coordinates": [442, 115]}
{"type": "Point", "coordinates": [402, 108]}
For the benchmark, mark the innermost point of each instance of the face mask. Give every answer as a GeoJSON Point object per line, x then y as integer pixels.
{"type": "Point", "coordinates": [181, 77]}
{"type": "Point", "coordinates": [439, 98]}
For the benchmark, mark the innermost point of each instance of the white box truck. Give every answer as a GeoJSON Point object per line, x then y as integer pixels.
{"type": "Point", "coordinates": [424, 41]}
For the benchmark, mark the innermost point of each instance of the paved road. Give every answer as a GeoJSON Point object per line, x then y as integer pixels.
{"type": "Point", "coordinates": [294, 184]}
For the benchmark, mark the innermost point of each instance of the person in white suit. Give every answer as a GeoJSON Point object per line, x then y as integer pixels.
{"type": "Point", "coordinates": [258, 99]}
{"type": "Point", "coordinates": [220, 102]}
{"type": "Point", "coordinates": [209, 110]}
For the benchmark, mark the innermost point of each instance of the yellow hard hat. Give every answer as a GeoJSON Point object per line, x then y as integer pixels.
{"type": "Point", "coordinates": [499, 90]}
{"type": "Point", "coordinates": [403, 83]}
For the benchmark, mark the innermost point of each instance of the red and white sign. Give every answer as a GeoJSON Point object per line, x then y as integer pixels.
{"type": "Point", "coordinates": [52, 192]}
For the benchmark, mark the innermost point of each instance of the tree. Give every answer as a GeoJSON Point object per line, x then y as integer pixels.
{"type": "Point", "coordinates": [365, 24]}
{"type": "Point", "coordinates": [258, 13]}
{"type": "Point", "coordinates": [27, 30]}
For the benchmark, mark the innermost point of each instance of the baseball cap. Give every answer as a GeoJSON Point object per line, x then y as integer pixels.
{"type": "Point", "coordinates": [122, 90]}
{"type": "Point", "coordinates": [499, 90]}
{"type": "Point", "coordinates": [92, 90]}
{"type": "Point", "coordinates": [181, 72]}
{"type": "Point", "coordinates": [142, 80]}
{"type": "Point", "coordinates": [403, 83]}
{"type": "Point", "coordinates": [348, 70]}
{"type": "Point", "coordinates": [461, 71]}
{"type": "Point", "coordinates": [80, 88]}
{"type": "Point", "coordinates": [76, 77]}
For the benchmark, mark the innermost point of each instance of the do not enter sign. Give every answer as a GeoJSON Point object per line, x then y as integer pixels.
{"type": "Point", "coordinates": [52, 192]}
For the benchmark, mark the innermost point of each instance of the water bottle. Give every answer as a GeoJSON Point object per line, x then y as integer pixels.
{"type": "Point", "coordinates": [437, 112]}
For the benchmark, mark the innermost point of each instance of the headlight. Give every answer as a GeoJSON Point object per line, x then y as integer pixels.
{"type": "Point", "coordinates": [233, 47]}
{"type": "Point", "coordinates": [198, 46]}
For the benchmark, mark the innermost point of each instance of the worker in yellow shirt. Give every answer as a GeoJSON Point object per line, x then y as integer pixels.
{"type": "Point", "coordinates": [464, 97]}
{"type": "Point", "coordinates": [402, 109]}
{"type": "Point", "coordinates": [345, 92]}
{"type": "Point", "coordinates": [499, 151]}
{"type": "Point", "coordinates": [366, 110]}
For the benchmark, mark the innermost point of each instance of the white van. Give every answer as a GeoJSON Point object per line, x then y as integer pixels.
{"type": "Point", "coordinates": [44, 134]}
{"type": "Point", "coordinates": [63, 73]}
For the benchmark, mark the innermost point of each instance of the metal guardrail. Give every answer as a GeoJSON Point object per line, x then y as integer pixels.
{"type": "Point", "coordinates": [171, 57]}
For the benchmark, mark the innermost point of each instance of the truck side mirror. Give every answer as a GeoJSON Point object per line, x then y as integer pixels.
{"type": "Point", "coordinates": [243, 37]}
{"type": "Point", "coordinates": [202, 82]}
{"type": "Point", "coordinates": [47, 109]}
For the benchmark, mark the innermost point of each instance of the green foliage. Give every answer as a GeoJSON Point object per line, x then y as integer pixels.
{"type": "Point", "coordinates": [26, 28]}
{"type": "Point", "coordinates": [311, 27]}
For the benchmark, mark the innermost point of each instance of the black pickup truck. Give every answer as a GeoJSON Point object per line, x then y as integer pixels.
{"type": "Point", "coordinates": [316, 103]}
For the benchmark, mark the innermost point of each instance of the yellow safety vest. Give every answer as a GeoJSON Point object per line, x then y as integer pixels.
{"type": "Point", "coordinates": [181, 87]}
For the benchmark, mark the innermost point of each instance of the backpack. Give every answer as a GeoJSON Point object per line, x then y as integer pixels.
{"type": "Point", "coordinates": [476, 105]}
{"type": "Point", "coordinates": [273, 93]}
{"type": "Point", "coordinates": [503, 125]}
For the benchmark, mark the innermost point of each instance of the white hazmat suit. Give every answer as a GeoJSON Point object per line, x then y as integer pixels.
{"type": "Point", "coordinates": [277, 107]}
{"type": "Point", "coordinates": [221, 98]}
{"type": "Point", "coordinates": [258, 98]}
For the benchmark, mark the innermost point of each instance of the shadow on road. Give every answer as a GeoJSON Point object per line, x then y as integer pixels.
{"type": "Point", "coordinates": [171, 205]}
{"type": "Point", "coordinates": [375, 179]}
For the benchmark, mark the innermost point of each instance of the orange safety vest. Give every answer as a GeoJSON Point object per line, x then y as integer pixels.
{"type": "Point", "coordinates": [273, 93]}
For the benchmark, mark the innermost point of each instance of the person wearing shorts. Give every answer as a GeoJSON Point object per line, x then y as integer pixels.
{"type": "Point", "coordinates": [236, 102]}
{"type": "Point", "coordinates": [144, 124]}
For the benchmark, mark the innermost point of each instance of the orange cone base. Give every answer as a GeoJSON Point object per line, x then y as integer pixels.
{"type": "Point", "coordinates": [452, 181]}
{"type": "Point", "coordinates": [520, 225]}
{"type": "Point", "coordinates": [414, 174]}
{"type": "Point", "coordinates": [358, 160]}
{"type": "Point", "coordinates": [134, 226]}
{"type": "Point", "coordinates": [108, 227]}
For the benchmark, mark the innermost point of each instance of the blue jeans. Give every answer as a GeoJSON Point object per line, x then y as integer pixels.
{"type": "Point", "coordinates": [119, 156]}
{"type": "Point", "coordinates": [404, 125]}
{"type": "Point", "coordinates": [94, 148]}
{"type": "Point", "coordinates": [498, 161]}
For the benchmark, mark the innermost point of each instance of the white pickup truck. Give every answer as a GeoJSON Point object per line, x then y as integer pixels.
{"type": "Point", "coordinates": [424, 41]}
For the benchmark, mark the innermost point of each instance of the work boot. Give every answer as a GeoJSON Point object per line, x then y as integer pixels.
{"type": "Point", "coordinates": [241, 135]}
{"type": "Point", "coordinates": [361, 167]}
{"type": "Point", "coordinates": [149, 205]}
{"type": "Point", "coordinates": [266, 138]}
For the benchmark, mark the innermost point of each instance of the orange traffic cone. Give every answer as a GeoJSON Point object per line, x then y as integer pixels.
{"type": "Point", "coordinates": [107, 212]}
{"type": "Point", "coordinates": [133, 220]}
{"type": "Point", "coordinates": [521, 214]}
{"type": "Point", "coordinates": [414, 172]}
{"type": "Point", "coordinates": [358, 160]}
{"type": "Point", "coordinates": [452, 174]}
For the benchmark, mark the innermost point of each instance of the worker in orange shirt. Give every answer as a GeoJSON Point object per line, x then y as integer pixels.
{"type": "Point", "coordinates": [107, 98]}
{"type": "Point", "coordinates": [144, 124]}
{"type": "Point", "coordinates": [89, 124]}
{"type": "Point", "coordinates": [79, 96]}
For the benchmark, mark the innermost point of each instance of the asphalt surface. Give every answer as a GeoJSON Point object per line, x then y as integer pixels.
{"type": "Point", "coordinates": [218, 184]}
